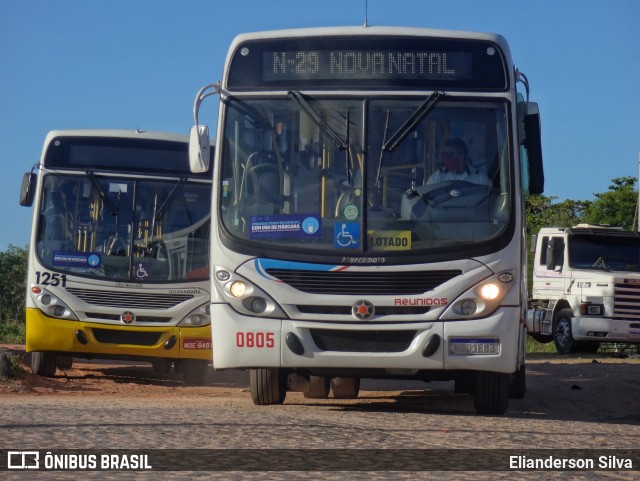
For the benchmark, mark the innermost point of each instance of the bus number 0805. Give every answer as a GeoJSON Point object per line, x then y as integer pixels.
{"type": "Point", "coordinates": [255, 339]}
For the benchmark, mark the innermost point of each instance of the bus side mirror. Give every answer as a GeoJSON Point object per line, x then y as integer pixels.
{"type": "Point", "coordinates": [28, 189]}
{"type": "Point", "coordinates": [199, 149]}
{"type": "Point", "coordinates": [533, 145]}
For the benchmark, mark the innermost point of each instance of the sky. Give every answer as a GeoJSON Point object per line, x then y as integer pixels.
{"type": "Point", "coordinates": [130, 64]}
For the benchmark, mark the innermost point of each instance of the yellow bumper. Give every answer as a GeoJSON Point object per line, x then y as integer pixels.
{"type": "Point", "coordinates": [50, 334]}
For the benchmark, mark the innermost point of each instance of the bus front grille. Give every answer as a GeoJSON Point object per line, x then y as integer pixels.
{"type": "Point", "coordinates": [362, 341]}
{"type": "Point", "coordinates": [116, 336]}
{"type": "Point", "coordinates": [127, 299]}
{"type": "Point", "coordinates": [360, 282]}
{"type": "Point", "coordinates": [346, 310]}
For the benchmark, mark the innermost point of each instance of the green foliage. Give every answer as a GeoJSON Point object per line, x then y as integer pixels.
{"type": "Point", "coordinates": [10, 367]}
{"type": "Point", "coordinates": [617, 206]}
{"type": "Point", "coordinates": [13, 273]}
{"type": "Point", "coordinates": [535, 346]}
{"type": "Point", "coordinates": [541, 211]}
{"type": "Point", "coordinates": [12, 332]}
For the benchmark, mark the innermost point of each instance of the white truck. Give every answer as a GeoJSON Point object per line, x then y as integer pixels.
{"type": "Point", "coordinates": [586, 287]}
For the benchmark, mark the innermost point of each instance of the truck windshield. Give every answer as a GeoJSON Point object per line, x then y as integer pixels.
{"type": "Point", "coordinates": [122, 229]}
{"type": "Point", "coordinates": [287, 181]}
{"type": "Point", "coordinates": [605, 253]}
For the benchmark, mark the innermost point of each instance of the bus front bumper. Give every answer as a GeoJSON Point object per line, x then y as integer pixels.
{"type": "Point", "coordinates": [86, 338]}
{"type": "Point", "coordinates": [489, 344]}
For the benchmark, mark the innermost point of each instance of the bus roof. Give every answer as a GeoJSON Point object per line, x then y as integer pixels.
{"type": "Point", "coordinates": [360, 30]}
{"type": "Point", "coordinates": [115, 133]}
{"type": "Point", "coordinates": [373, 31]}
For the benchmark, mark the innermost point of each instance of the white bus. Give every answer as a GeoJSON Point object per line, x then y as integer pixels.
{"type": "Point", "coordinates": [119, 252]}
{"type": "Point", "coordinates": [368, 210]}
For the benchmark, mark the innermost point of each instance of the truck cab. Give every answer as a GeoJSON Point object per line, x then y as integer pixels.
{"type": "Point", "coordinates": [586, 287]}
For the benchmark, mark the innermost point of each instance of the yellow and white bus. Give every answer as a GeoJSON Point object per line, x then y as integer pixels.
{"type": "Point", "coordinates": [119, 252]}
{"type": "Point", "coordinates": [368, 217]}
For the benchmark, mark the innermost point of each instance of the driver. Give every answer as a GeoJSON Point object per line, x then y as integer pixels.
{"type": "Point", "coordinates": [454, 159]}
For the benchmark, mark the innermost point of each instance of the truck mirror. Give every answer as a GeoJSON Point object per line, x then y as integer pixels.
{"type": "Point", "coordinates": [28, 189]}
{"type": "Point", "coordinates": [551, 261]}
{"type": "Point", "coordinates": [533, 145]}
{"type": "Point", "coordinates": [199, 149]}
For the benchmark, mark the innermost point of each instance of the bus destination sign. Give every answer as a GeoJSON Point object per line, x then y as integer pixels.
{"type": "Point", "coordinates": [366, 64]}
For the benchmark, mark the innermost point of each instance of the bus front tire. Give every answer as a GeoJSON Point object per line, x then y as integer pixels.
{"type": "Point", "coordinates": [161, 366]}
{"type": "Point", "coordinates": [345, 387]}
{"type": "Point", "coordinates": [491, 394]}
{"type": "Point", "coordinates": [64, 361]}
{"type": "Point", "coordinates": [43, 363]}
{"type": "Point", "coordinates": [194, 371]}
{"type": "Point", "coordinates": [319, 387]}
{"type": "Point", "coordinates": [518, 383]}
{"type": "Point", "coordinates": [268, 386]}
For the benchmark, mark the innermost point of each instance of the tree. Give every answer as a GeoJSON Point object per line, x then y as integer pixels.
{"type": "Point", "coordinates": [617, 206]}
{"type": "Point", "coordinates": [542, 212]}
{"type": "Point", "coordinates": [13, 273]}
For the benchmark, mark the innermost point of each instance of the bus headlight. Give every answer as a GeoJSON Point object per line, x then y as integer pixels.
{"type": "Point", "coordinates": [482, 299]}
{"type": "Point", "coordinates": [197, 318]}
{"type": "Point", "coordinates": [238, 289]}
{"type": "Point", "coordinates": [245, 297]}
{"type": "Point", "coordinates": [51, 305]}
{"type": "Point", "coordinates": [489, 291]}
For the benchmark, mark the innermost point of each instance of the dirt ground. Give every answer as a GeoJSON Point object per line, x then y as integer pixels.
{"type": "Point", "coordinates": [130, 379]}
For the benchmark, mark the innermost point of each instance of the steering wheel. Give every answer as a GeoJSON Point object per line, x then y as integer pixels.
{"type": "Point", "coordinates": [455, 193]}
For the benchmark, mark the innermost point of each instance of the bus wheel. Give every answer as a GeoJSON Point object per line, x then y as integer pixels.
{"type": "Point", "coordinates": [562, 334]}
{"type": "Point", "coordinates": [161, 366]}
{"type": "Point", "coordinates": [319, 387]}
{"type": "Point", "coordinates": [64, 361]}
{"type": "Point", "coordinates": [43, 363]}
{"type": "Point", "coordinates": [268, 386]}
{"type": "Point", "coordinates": [194, 371]}
{"type": "Point", "coordinates": [517, 384]}
{"type": "Point", "coordinates": [465, 383]}
{"type": "Point", "coordinates": [345, 387]}
{"type": "Point", "coordinates": [491, 396]}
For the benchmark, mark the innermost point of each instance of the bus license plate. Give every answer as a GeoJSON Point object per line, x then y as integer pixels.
{"type": "Point", "coordinates": [196, 344]}
{"type": "Point", "coordinates": [474, 347]}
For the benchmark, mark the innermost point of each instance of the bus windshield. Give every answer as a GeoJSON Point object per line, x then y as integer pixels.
{"type": "Point", "coordinates": [123, 229]}
{"type": "Point", "coordinates": [322, 174]}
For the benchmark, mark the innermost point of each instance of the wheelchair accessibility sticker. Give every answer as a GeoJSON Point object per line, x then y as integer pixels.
{"type": "Point", "coordinates": [346, 235]}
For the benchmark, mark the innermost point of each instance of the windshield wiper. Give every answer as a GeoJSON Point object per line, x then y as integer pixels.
{"type": "Point", "coordinates": [113, 209]}
{"type": "Point", "coordinates": [398, 137]}
{"type": "Point", "coordinates": [165, 205]}
{"type": "Point", "coordinates": [426, 107]}
{"type": "Point", "coordinates": [325, 127]}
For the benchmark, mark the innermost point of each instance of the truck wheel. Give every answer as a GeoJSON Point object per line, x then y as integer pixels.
{"type": "Point", "coordinates": [492, 389]}
{"type": "Point", "coordinates": [345, 387]}
{"type": "Point", "coordinates": [43, 363]}
{"type": "Point", "coordinates": [268, 386]}
{"type": "Point", "coordinates": [518, 383]}
{"type": "Point", "coordinates": [319, 387]}
{"type": "Point", "coordinates": [194, 371]}
{"type": "Point", "coordinates": [562, 335]}
{"type": "Point", "coordinates": [64, 361]}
